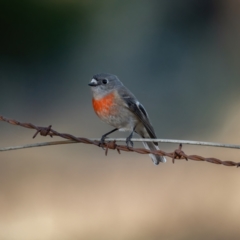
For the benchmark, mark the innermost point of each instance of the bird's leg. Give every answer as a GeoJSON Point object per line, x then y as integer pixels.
{"type": "Point", "coordinates": [128, 140]}
{"type": "Point", "coordinates": [105, 135]}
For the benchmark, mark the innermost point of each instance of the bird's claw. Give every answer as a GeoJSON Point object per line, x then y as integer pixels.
{"type": "Point", "coordinates": [129, 142]}
{"type": "Point", "coordinates": [101, 143]}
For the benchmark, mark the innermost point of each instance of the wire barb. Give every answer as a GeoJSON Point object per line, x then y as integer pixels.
{"type": "Point", "coordinates": [178, 154]}
{"type": "Point", "coordinates": [110, 145]}
{"type": "Point", "coordinates": [44, 131]}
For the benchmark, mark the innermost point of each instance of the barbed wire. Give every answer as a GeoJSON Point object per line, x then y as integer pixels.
{"type": "Point", "coordinates": [178, 154]}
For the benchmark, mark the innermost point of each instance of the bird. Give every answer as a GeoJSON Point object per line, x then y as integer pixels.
{"type": "Point", "coordinates": [115, 105]}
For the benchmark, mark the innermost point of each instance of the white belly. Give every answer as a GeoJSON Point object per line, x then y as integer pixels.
{"type": "Point", "coordinates": [122, 122]}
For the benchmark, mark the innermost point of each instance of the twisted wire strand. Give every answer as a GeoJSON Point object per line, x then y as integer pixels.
{"type": "Point", "coordinates": [178, 154]}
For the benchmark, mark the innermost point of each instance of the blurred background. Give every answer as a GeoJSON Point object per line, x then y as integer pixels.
{"type": "Point", "coordinates": [180, 58]}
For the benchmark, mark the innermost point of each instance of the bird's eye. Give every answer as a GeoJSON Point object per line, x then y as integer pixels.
{"type": "Point", "coordinates": [104, 81]}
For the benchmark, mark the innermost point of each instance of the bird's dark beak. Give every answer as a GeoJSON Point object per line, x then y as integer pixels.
{"type": "Point", "coordinates": [93, 83]}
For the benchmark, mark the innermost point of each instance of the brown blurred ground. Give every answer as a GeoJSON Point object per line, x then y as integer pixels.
{"type": "Point", "coordinates": [75, 192]}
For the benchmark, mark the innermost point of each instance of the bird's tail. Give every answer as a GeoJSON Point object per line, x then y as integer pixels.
{"type": "Point", "coordinates": [152, 146]}
{"type": "Point", "coordinates": [155, 158]}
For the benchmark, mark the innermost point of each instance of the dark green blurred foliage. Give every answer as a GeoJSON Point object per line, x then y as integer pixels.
{"type": "Point", "coordinates": [33, 30]}
{"type": "Point", "coordinates": [174, 49]}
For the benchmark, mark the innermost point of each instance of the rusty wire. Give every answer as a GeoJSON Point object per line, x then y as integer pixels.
{"type": "Point", "coordinates": [178, 154]}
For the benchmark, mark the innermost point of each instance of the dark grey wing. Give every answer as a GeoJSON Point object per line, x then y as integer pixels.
{"type": "Point", "coordinates": [138, 109]}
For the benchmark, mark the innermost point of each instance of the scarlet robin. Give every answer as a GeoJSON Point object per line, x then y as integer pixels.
{"type": "Point", "coordinates": [117, 106]}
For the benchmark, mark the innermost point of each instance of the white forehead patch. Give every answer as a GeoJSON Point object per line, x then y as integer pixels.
{"type": "Point", "coordinates": [94, 81]}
